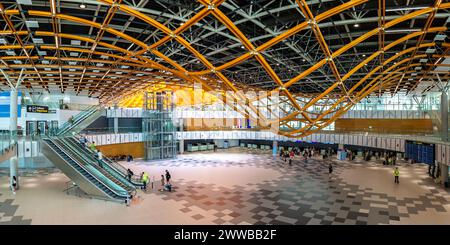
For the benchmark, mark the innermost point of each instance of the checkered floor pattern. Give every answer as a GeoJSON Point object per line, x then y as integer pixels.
{"type": "Point", "coordinates": [305, 194]}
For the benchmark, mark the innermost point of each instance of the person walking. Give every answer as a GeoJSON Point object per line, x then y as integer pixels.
{"type": "Point", "coordinates": [396, 175]}
{"type": "Point", "coordinates": [330, 168]}
{"type": "Point", "coordinates": [14, 184]}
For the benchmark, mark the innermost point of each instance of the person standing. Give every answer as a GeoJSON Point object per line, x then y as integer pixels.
{"type": "Point", "coordinates": [162, 182]}
{"type": "Point", "coordinates": [396, 175]}
{"type": "Point", "coordinates": [330, 168]}
{"type": "Point", "coordinates": [70, 120]}
{"type": "Point", "coordinates": [145, 180]}
{"type": "Point", "coordinates": [100, 158]}
{"type": "Point", "coordinates": [168, 177]}
{"type": "Point", "coordinates": [92, 146]}
{"type": "Point", "coordinates": [130, 174]}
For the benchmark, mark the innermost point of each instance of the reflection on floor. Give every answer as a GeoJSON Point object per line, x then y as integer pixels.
{"type": "Point", "coordinates": [241, 186]}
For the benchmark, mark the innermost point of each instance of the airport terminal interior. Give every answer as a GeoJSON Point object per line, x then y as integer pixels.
{"type": "Point", "coordinates": [224, 112]}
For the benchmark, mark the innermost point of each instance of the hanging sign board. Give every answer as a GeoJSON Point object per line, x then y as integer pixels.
{"type": "Point", "coordinates": [37, 109]}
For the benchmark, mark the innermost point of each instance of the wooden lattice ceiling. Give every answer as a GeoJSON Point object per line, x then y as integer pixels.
{"type": "Point", "coordinates": [331, 53]}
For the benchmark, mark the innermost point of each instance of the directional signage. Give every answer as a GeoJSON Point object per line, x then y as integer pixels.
{"type": "Point", "coordinates": [37, 108]}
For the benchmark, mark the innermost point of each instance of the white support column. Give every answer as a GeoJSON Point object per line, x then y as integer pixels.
{"type": "Point", "coordinates": [181, 142]}
{"type": "Point", "coordinates": [275, 148]}
{"type": "Point", "coordinates": [116, 120]}
{"type": "Point", "coordinates": [181, 146]}
{"type": "Point", "coordinates": [444, 116]}
{"type": "Point", "coordinates": [444, 172]}
{"type": "Point", "coordinates": [13, 161]}
{"type": "Point", "coordinates": [116, 125]}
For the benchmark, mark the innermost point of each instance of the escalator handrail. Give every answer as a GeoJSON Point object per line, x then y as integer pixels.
{"type": "Point", "coordinates": [81, 166]}
{"type": "Point", "coordinates": [79, 118]}
{"type": "Point", "coordinates": [71, 141]}
{"type": "Point", "coordinates": [60, 145]}
{"type": "Point", "coordinates": [67, 125]}
{"type": "Point", "coordinates": [129, 188]}
{"type": "Point", "coordinates": [116, 166]}
{"type": "Point", "coordinates": [134, 179]}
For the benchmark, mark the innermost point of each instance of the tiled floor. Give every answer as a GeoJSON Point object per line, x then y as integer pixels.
{"type": "Point", "coordinates": [242, 187]}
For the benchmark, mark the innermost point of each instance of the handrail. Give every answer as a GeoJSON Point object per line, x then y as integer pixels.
{"type": "Point", "coordinates": [78, 118]}
{"type": "Point", "coordinates": [58, 141]}
{"type": "Point", "coordinates": [80, 165]}
{"type": "Point", "coordinates": [79, 115]}
{"type": "Point", "coordinates": [72, 141]}
{"type": "Point", "coordinates": [89, 158]}
{"type": "Point", "coordinates": [115, 165]}
{"type": "Point", "coordinates": [103, 130]}
{"type": "Point", "coordinates": [134, 179]}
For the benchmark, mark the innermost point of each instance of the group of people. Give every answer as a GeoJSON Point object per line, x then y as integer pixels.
{"type": "Point", "coordinates": [289, 155]}
{"type": "Point", "coordinates": [166, 184]}
{"type": "Point", "coordinates": [390, 159]}
{"type": "Point", "coordinates": [128, 158]}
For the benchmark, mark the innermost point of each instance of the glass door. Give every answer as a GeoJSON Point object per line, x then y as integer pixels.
{"type": "Point", "coordinates": [53, 127]}
{"type": "Point", "coordinates": [31, 127]}
{"type": "Point", "coordinates": [41, 127]}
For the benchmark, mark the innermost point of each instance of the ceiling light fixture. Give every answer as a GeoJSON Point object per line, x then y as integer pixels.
{"type": "Point", "coordinates": [407, 8]}
{"type": "Point", "coordinates": [82, 6]}
{"type": "Point", "coordinates": [356, 25]}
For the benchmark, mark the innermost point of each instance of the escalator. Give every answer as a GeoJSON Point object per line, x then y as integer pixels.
{"type": "Point", "coordinates": [89, 179]}
{"type": "Point", "coordinates": [110, 164]}
{"type": "Point", "coordinates": [76, 153]}
{"type": "Point", "coordinates": [81, 120]}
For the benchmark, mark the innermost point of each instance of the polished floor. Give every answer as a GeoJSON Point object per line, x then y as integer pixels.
{"type": "Point", "coordinates": [241, 186]}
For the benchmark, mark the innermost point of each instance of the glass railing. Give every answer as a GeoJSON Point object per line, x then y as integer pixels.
{"type": "Point", "coordinates": [110, 130]}
{"type": "Point", "coordinates": [406, 132]}
{"type": "Point", "coordinates": [8, 139]}
{"type": "Point", "coordinates": [92, 170]}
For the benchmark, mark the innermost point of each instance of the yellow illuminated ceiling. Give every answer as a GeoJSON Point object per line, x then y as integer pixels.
{"type": "Point", "coordinates": [184, 96]}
